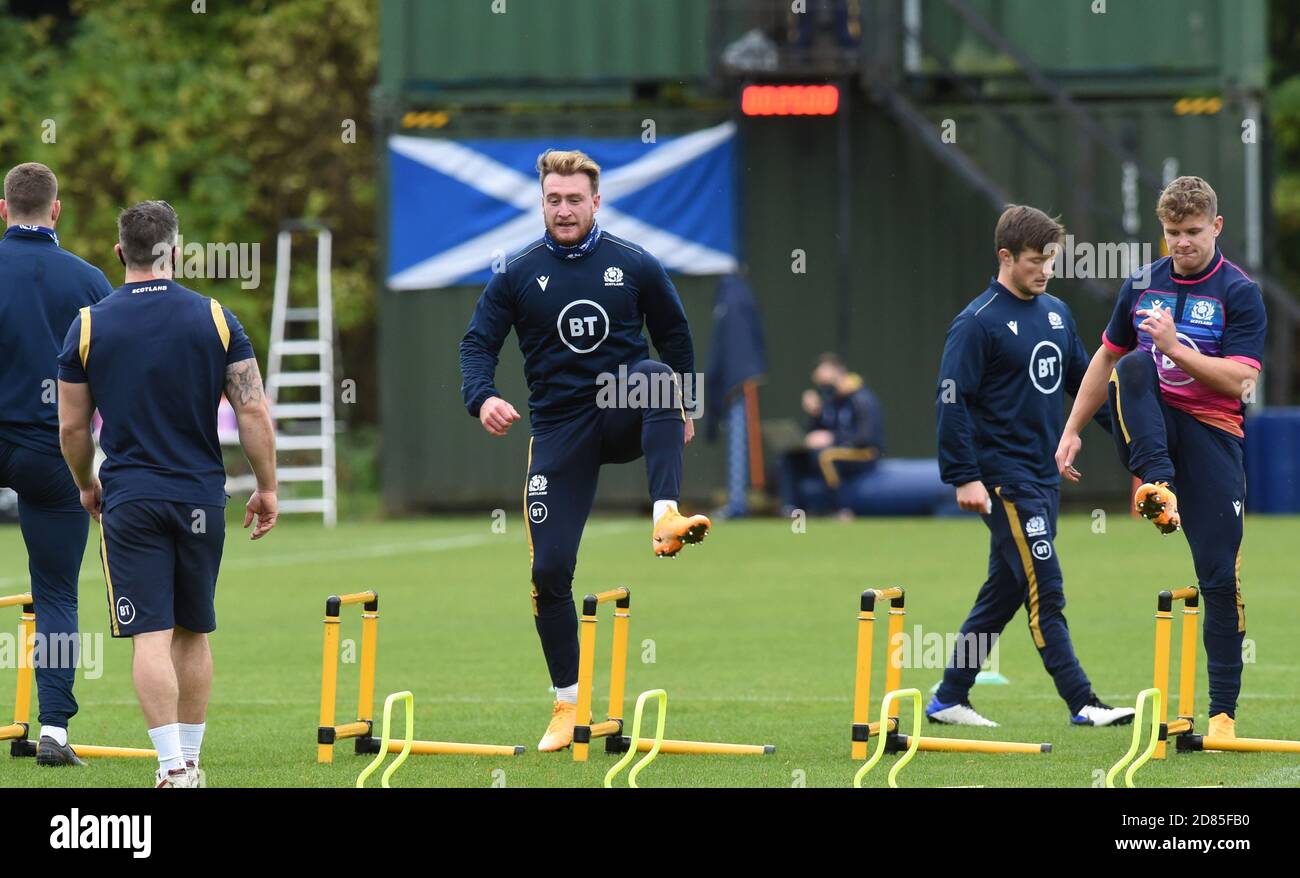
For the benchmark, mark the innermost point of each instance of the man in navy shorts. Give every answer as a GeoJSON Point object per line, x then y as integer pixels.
{"type": "Point", "coordinates": [155, 358]}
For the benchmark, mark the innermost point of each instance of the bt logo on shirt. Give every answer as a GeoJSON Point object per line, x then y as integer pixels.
{"type": "Point", "coordinates": [1046, 367]}
{"type": "Point", "coordinates": [582, 325]}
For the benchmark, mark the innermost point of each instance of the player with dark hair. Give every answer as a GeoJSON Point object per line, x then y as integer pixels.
{"type": "Point", "coordinates": [1009, 358]}
{"type": "Point", "coordinates": [155, 359]}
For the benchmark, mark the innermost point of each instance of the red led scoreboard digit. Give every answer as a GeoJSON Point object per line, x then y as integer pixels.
{"type": "Point", "coordinates": [790, 100]}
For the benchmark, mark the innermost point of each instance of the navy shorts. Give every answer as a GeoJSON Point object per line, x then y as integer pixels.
{"type": "Point", "coordinates": [160, 565]}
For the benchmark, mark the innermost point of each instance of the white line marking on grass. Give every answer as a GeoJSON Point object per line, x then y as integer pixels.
{"type": "Point", "coordinates": [390, 550]}
{"type": "Point", "coordinates": [359, 552]}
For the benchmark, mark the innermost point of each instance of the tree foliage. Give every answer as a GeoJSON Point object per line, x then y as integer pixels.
{"type": "Point", "coordinates": [232, 111]}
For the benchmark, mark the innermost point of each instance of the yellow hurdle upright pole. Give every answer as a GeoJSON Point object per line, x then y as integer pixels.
{"type": "Point", "coordinates": [17, 730]}
{"type": "Point", "coordinates": [369, 645]}
{"type": "Point", "coordinates": [1187, 658]}
{"type": "Point", "coordinates": [893, 657]}
{"type": "Point", "coordinates": [1160, 680]}
{"type": "Point", "coordinates": [618, 657]}
{"type": "Point", "coordinates": [862, 675]}
{"type": "Point", "coordinates": [329, 677]}
{"type": "Point", "coordinates": [586, 671]}
{"type": "Point", "coordinates": [23, 698]}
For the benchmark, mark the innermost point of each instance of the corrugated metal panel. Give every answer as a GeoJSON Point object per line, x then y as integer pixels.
{"type": "Point", "coordinates": [436, 44]}
{"type": "Point", "coordinates": [1139, 45]}
{"type": "Point", "coordinates": [922, 244]}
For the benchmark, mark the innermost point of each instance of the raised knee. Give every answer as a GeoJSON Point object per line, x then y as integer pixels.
{"type": "Point", "coordinates": [651, 367]}
{"type": "Point", "coordinates": [1136, 365]}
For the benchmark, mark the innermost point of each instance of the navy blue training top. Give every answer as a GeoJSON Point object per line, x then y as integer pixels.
{"type": "Point", "coordinates": [575, 318]}
{"type": "Point", "coordinates": [155, 355]}
{"type": "Point", "coordinates": [1006, 365]}
{"type": "Point", "coordinates": [42, 286]}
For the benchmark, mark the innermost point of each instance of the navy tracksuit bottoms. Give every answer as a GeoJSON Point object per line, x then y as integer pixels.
{"type": "Point", "coordinates": [564, 462]}
{"type": "Point", "coordinates": [1205, 468]}
{"type": "Point", "coordinates": [1023, 571]}
{"type": "Point", "coordinates": [54, 528]}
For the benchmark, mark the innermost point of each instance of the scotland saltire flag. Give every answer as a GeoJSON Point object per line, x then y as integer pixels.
{"type": "Point", "coordinates": [456, 205]}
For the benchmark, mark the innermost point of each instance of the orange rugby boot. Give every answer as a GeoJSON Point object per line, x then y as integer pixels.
{"type": "Point", "coordinates": [674, 530]}
{"type": "Point", "coordinates": [559, 734]}
{"type": "Point", "coordinates": [1158, 504]}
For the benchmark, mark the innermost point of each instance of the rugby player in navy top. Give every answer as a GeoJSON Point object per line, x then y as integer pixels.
{"type": "Point", "coordinates": [1181, 353]}
{"type": "Point", "coordinates": [1009, 358]}
{"type": "Point", "coordinates": [41, 289]}
{"type": "Point", "coordinates": [155, 358]}
{"type": "Point", "coordinates": [577, 300]}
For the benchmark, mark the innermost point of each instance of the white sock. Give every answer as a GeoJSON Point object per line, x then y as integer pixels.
{"type": "Point", "coordinates": [567, 694]}
{"type": "Point", "coordinates": [191, 740]}
{"type": "Point", "coordinates": [662, 506]}
{"type": "Point", "coordinates": [167, 741]}
{"type": "Point", "coordinates": [59, 734]}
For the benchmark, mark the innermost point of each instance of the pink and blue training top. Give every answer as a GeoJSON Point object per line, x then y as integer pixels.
{"type": "Point", "coordinates": [1218, 312]}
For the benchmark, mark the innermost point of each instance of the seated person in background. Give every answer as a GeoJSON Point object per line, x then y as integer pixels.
{"type": "Point", "coordinates": [844, 434]}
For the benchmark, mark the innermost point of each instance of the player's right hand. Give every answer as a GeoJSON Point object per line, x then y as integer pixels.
{"type": "Point", "coordinates": [497, 415]}
{"type": "Point", "coordinates": [974, 497]}
{"type": "Point", "coordinates": [1066, 452]}
{"type": "Point", "coordinates": [92, 499]}
{"type": "Point", "coordinates": [265, 507]}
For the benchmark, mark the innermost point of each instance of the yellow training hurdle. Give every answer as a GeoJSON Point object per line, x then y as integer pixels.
{"type": "Point", "coordinates": [362, 729]}
{"type": "Point", "coordinates": [16, 733]}
{"type": "Point", "coordinates": [612, 728]}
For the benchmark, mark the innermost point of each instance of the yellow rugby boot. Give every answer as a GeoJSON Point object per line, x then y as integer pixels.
{"type": "Point", "coordinates": [1222, 726]}
{"type": "Point", "coordinates": [674, 530]}
{"type": "Point", "coordinates": [559, 734]}
{"type": "Point", "coordinates": [1158, 504]}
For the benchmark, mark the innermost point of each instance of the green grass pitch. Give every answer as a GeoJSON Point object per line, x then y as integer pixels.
{"type": "Point", "coordinates": [752, 634]}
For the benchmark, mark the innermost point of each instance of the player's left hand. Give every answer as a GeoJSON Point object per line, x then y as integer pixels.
{"type": "Point", "coordinates": [690, 430]}
{"type": "Point", "coordinates": [1159, 324]}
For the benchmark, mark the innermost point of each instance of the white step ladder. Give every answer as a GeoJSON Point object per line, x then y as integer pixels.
{"type": "Point", "coordinates": [298, 413]}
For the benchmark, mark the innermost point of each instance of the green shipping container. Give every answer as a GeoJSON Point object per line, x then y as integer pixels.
{"type": "Point", "coordinates": [1121, 46]}
{"type": "Point", "coordinates": [431, 45]}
